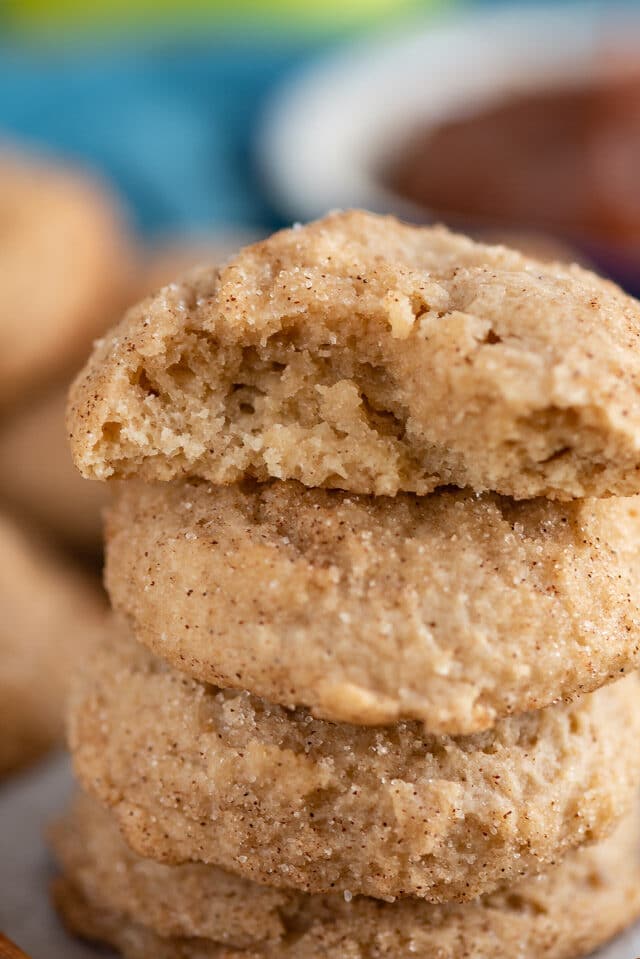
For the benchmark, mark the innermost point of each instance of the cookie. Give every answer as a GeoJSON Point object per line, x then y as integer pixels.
{"type": "Point", "coordinates": [372, 356]}
{"type": "Point", "coordinates": [65, 267]}
{"type": "Point", "coordinates": [199, 912]}
{"type": "Point", "coordinates": [39, 480]}
{"type": "Point", "coordinates": [197, 773]}
{"type": "Point", "coordinates": [50, 613]}
{"type": "Point", "coordinates": [454, 609]}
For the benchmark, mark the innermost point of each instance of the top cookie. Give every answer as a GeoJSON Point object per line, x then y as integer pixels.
{"type": "Point", "coordinates": [365, 354]}
{"type": "Point", "coordinates": [65, 265]}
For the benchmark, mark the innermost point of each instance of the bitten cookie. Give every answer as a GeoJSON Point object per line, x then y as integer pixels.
{"type": "Point", "coordinates": [199, 912]}
{"type": "Point", "coordinates": [65, 268]}
{"type": "Point", "coordinates": [453, 609]}
{"type": "Point", "coordinates": [365, 354]}
{"type": "Point", "coordinates": [197, 773]}
{"type": "Point", "coordinates": [50, 613]}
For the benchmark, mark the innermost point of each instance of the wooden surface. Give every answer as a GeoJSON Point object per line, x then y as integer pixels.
{"type": "Point", "coordinates": [8, 950]}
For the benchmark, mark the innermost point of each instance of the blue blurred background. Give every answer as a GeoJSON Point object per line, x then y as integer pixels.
{"type": "Point", "coordinates": [171, 123]}
{"type": "Point", "coordinates": [166, 98]}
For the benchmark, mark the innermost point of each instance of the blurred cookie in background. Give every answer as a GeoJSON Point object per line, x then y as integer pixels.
{"type": "Point", "coordinates": [39, 481]}
{"type": "Point", "coordinates": [65, 268]}
{"type": "Point", "coordinates": [51, 615]}
{"type": "Point", "coordinates": [37, 476]}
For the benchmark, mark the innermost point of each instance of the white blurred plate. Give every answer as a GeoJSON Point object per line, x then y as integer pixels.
{"type": "Point", "coordinates": [327, 134]}
{"type": "Point", "coordinates": [28, 803]}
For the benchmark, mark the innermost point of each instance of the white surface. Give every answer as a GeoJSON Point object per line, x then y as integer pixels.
{"type": "Point", "coordinates": [27, 805]}
{"type": "Point", "coordinates": [327, 134]}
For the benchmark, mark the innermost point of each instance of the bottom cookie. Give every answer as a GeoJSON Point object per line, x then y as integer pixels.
{"type": "Point", "coordinates": [151, 911]}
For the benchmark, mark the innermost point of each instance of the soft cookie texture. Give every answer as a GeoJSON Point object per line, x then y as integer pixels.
{"type": "Point", "coordinates": [65, 268]}
{"type": "Point", "coordinates": [50, 615]}
{"type": "Point", "coordinates": [197, 773]}
{"type": "Point", "coordinates": [200, 912]}
{"type": "Point", "coordinates": [365, 354]}
{"type": "Point", "coordinates": [454, 609]}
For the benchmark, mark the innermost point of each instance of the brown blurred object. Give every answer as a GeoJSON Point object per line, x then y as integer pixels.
{"type": "Point", "coordinates": [9, 950]}
{"type": "Point", "coordinates": [37, 476]}
{"type": "Point", "coordinates": [65, 265]}
{"type": "Point", "coordinates": [614, 158]}
{"type": "Point", "coordinates": [562, 160]}
{"type": "Point", "coordinates": [51, 613]}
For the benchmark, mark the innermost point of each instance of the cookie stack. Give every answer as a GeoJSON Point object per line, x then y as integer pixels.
{"type": "Point", "coordinates": [373, 566]}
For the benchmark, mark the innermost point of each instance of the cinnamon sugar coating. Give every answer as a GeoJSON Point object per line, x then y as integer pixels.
{"type": "Point", "coordinates": [197, 773]}
{"type": "Point", "coordinates": [452, 609]}
{"type": "Point", "coordinates": [145, 909]}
